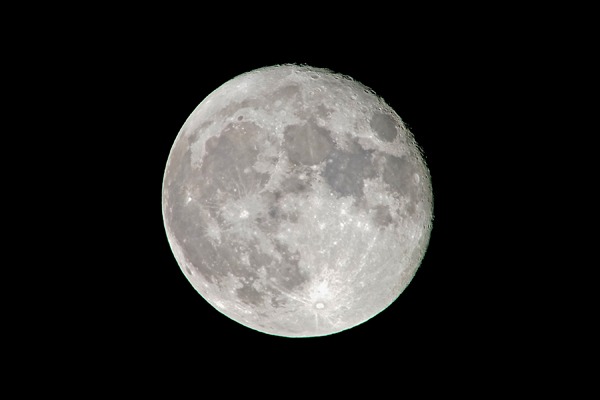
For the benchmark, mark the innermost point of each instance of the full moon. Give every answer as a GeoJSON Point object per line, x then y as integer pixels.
{"type": "Point", "coordinates": [296, 201]}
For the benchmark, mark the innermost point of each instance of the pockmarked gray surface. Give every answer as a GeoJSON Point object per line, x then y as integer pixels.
{"type": "Point", "coordinates": [296, 202]}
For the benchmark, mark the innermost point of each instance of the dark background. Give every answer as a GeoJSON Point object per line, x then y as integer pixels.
{"type": "Point", "coordinates": [495, 95]}
{"type": "Point", "coordinates": [127, 87]}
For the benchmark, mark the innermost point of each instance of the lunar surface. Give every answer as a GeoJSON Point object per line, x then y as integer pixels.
{"type": "Point", "coordinates": [296, 202]}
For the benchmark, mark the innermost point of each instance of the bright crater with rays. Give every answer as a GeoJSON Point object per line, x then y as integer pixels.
{"type": "Point", "coordinates": [296, 202]}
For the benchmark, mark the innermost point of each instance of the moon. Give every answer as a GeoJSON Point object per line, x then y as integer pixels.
{"type": "Point", "coordinates": [296, 201]}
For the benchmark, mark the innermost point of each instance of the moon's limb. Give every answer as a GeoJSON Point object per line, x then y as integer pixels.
{"type": "Point", "coordinates": [296, 201]}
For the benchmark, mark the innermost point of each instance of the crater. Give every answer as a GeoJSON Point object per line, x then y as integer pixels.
{"type": "Point", "coordinates": [324, 112]}
{"type": "Point", "coordinates": [384, 126]}
{"type": "Point", "coordinates": [235, 106]}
